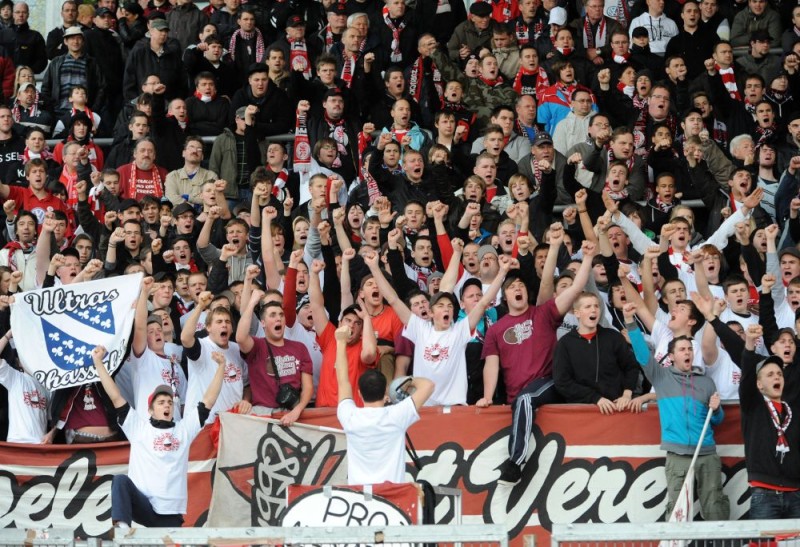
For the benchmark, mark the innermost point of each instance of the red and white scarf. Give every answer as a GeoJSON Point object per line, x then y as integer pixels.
{"type": "Point", "coordinates": [348, 68]}
{"type": "Point", "coordinates": [27, 155]}
{"type": "Point", "coordinates": [537, 175]}
{"type": "Point", "coordinates": [328, 39]}
{"type": "Point", "coordinates": [528, 82]}
{"type": "Point", "coordinates": [623, 15]}
{"type": "Point", "coordinates": [615, 195]}
{"type": "Point", "coordinates": [491, 83]}
{"type": "Point", "coordinates": [781, 446]}
{"type": "Point", "coordinates": [626, 89]}
{"type": "Point", "coordinates": [280, 182]}
{"type": "Point", "coordinates": [396, 56]}
{"type": "Point", "coordinates": [33, 111]}
{"type": "Point", "coordinates": [205, 98]}
{"type": "Point", "coordinates": [157, 184]}
{"type": "Point", "coordinates": [621, 59]}
{"type": "Point", "coordinates": [589, 39]}
{"type": "Point", "coordinates": [628, 162]}
{"type": "Point", "coordinates": [70, 182]}
{"type": "Point", "coordinates": [247, 36]}
{"type": "Point", "coordinates": [298, 58]}
{"type": "Point", "coordinates": [416, 75]}
{"type": "Point", "coordinates": [663, 206]}
{"type": "Point", "coordinates": [729, 81]}
{"type": "Point", "coordinates": [301, 159]}
{"type": "Point", "coordinates": [565, 51]}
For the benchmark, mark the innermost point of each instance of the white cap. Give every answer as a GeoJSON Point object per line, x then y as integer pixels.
{"type": "Point", "coordinates": [558, 16]}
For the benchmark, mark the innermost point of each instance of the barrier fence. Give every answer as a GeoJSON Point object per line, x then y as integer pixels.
{"type": "Point", "coordinates": [755, 533]}
{"type": "Point", "coordinates": [470, 535]}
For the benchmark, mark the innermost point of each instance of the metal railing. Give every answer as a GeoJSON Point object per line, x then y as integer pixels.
{"type": "Point", "coordinates": [764, 533]}
{"type": "Point", "coordinates": [467, 535]}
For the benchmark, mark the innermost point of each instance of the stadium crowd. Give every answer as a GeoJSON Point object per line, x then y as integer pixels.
{"type": "Point", "coordinates": [415, 204]}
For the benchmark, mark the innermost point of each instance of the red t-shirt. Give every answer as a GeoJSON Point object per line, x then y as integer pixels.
{"type": "Point", "coordinates": [26, 199]}
{"type": "Point", "coordinates": [328, 388]}
{"type": "Point", "coordinates": [291, 360]}
{"type": "Point", "coordinates": [525, 344]}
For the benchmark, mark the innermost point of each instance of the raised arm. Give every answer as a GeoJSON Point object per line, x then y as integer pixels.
{"type": "Point", "coordinates": [273, 276]}
{"type": "Point", "coordinates": [109, 385]}
{"type": "Point", "coordinates": [708, 345]}
{"type": "Point", "coordinates": [386, 289]}
{"type": "Point", "coordinates": [188, 333]}
{"type": "Point", "coordinates": [243, 337]}
{"type": "Point", "coordinates": [450, 277]}
{"type": "Point", "coordinates": [211, 394]}
{"type": "Point", "coordinates": [345, 280]}
{"type": "Point", "coordinates": [341, 234]}
{"type": "Point", "coordinates": [140, 319]}
{"type": "Point", "coordinates": [316, 300]}
{"type": "Point", "coordinates": [648, 284]}
{"type": "Point", "coordinates": [547, 287]}
{"type": "Point", "coordinates": [342, 377]}
{"type": "Point", "coordinates": [43, 244]}
{"type": "Point", "coordinates": [369, 343]}
{"type": "Point", "coordinates": [474, 317]}
{"type": "Point", "coordinates": [565, 299]}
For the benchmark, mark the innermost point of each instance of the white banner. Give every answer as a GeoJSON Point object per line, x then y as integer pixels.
{"type": "Point", "coordinates": [258, 459]}
{"type": "Point", "coordinates": [56, 329]}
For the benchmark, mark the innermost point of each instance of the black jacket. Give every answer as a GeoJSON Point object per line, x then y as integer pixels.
{"type": "Point", "coordinates": [106, 49]}
{"type": "Point", "coordinates": [275, 112]}
{"type": "Point", "coordinates": [27, 47]}
{"type": "Point", "coordinates": [207, 119]}
{"type": "Point", "coordinates": [225, 74]}
{"type": "Point", "coordinates": [96, 83]}
{"type": "Point", "coordinates": [143, 61]}
{"type": "Point", "coordinates": [585, 371]}
{"type": "Point", "coordinates": [760, 434]}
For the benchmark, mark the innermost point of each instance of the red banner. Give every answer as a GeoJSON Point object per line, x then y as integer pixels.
{"type": "Point", "coordinates": [384, 504]}
{"type": "Point", "coordinates": [588, 467]}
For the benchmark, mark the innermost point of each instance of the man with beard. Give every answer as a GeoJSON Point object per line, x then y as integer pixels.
{"type": "Point", "coordinates": [142, 177]}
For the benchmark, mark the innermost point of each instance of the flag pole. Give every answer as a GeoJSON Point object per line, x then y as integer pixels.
{"type": "Point", "coordinates": [702, 436]}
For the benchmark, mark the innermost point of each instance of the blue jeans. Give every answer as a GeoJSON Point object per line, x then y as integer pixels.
{"type": "Point", "coordinates": [128, 504]}
{"type": "Point", "coordinates": [772, 504]}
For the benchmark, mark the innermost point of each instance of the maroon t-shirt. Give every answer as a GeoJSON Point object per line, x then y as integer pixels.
{"type": "Point", "coordinates": [525, 345]}
{"type": "Point", "coordinates": [291, 360]}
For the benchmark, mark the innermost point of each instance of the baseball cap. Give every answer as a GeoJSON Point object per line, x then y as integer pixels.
{"type": "Point", "coordinates": [73, 31]}
{"type": "Point", "coordinates": [240, 112]}
{"type": "Point", "coordinates": [640, 32]}
{"type": "Point", "coordinates": [442, 294]}
{"type": "Point", "coordinates": [790, 251]}
{"type": "Point", "coordinates": [542, 137]}
{"type": "Point", "coordinates": [159, 24]}
{"type": "Point", "coordinates": [257, 67]}
{"type": "Point", "coordinates": [295, 21]}
{"type": "Point", "coordinates": [102, 12]}
{"type": "Point", "coordinates": [771, 360]}
{"type": "Point", "coordinates": [333, 92]}
{"type": "Point", "coordinates": [558, 16]}
{"type": "Point", "coordinates": [760, 35]}
{"type": "Point", "coordinates": [181, 208]}
{"type": "Point", "coordinates": [163, 389]}
{"type": "Point", "coordinates": [153, 318]}
{"type": "Point", "coordinates": [304, 301]}
{"type": "Point", "coordinates": [25, 85]}
{"type": "Point", "coordinates": [126, 204]}
{"type": "Point", "coordinates": [71, 251]}
{"type": "Point", "coordinates": [483, 250]}
{"type": "Point", "coordinates": [472, 281]}
{"type": "Point", "coordinates": [337, 8]}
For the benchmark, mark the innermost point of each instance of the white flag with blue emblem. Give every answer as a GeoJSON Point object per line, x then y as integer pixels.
{"type": "Point", "coordinates": [56, 329]}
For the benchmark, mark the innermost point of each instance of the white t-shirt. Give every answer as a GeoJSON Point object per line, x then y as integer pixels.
{"type": "Point", "coordinates": [150, 371]}
{"type": "Point", "coordinates": [376, 440]}
{"type": "Point", "coordinates": [726, 375]}
{"type": "Point", "coordinates": [752, 319]}
{"type": "Point", "coordinates": [201, 321]}
{"type": "Point", "coordinates": [440, 357]}
{"type": "Point", "coordinates": [27, 405]}
{"type": "Point", "coordinates": [202, 370]}
{"type": "Point", "coordinates": [159, 460]}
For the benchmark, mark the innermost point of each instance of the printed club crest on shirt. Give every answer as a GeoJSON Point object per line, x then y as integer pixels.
{"type": "Point", "coordinates": [60, 326]}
